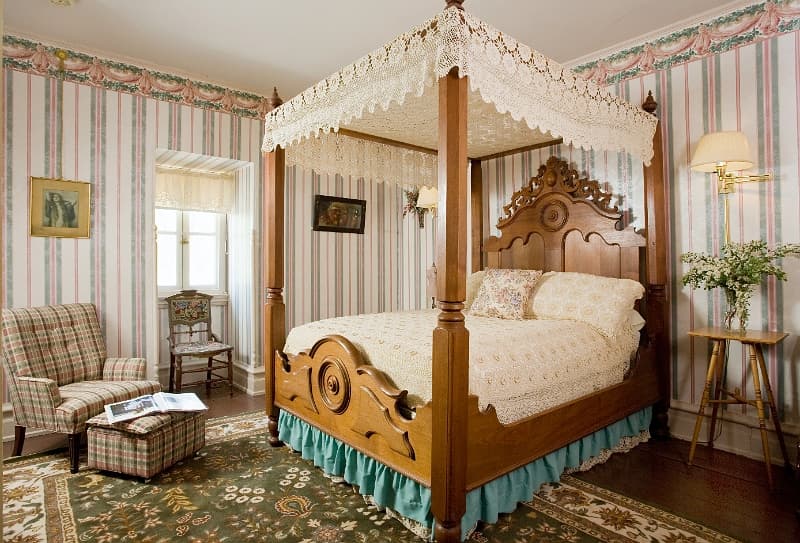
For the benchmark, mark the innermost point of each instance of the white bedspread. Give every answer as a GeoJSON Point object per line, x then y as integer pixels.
{"type": "Point", "coordinates": [519, 367]}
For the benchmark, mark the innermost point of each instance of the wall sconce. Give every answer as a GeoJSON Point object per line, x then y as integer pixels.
{"type": "Point", "coordinates": [720, 152]}
{"type": "Point", "coordinates": [428, 198]}
{"type": "Point", "coordinates": [430, 284]}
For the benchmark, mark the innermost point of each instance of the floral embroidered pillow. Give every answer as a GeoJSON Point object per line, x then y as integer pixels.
{"type": "Point", "coordinates": [601, 302]}
{"type": "Point", "coordinates": [504, 293]}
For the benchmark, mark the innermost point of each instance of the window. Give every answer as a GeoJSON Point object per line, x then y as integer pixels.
{"type": "Point", "coordinates": [192, 247]}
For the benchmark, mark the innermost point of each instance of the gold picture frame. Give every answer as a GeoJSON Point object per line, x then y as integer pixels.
{"type": "Point", "coordinates": [60, 208]}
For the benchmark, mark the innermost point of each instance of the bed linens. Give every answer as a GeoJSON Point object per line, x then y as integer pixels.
{"type": "Point", "coordinates": [519, 367]}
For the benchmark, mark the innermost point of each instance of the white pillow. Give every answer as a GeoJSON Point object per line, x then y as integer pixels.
{"type": "Point", "coordinates": [601, 302]}
{"type": "Point", "coordinates": [504, 293]}
{"type": "Point", "coordinates": [635, 321]}
{"type": "Point", "coordinates": [473, 285]}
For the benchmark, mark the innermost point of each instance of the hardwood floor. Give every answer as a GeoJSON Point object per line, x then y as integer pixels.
{"type": "Point", "coordinates": [723, 491]}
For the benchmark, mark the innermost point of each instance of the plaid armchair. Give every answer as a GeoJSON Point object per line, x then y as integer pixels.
{"type": "Point", "coordinates": [57, 372]}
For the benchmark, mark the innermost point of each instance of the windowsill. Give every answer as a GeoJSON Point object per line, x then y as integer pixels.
{"type": "Point", "coordinates": [216, 297]}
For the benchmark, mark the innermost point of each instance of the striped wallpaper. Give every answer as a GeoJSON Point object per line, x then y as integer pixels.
{"type": "Point", "coordinates": [109, 139]}
{"type": "Point", "coordinates": [331, 274]}
{"type": "Point", "coordinates": [754, 88]}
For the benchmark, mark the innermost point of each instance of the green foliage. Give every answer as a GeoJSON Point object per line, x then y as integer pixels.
{"type": "Point", "coordinates": [738, 269]}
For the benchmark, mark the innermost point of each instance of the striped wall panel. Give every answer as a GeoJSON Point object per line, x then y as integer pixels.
{"type": "Point", "coordinates": [64, 129]}
{"type": "Point", "coordinates": [331, 274]}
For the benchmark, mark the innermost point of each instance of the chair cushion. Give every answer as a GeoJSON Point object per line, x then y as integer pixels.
{"type": "Point", "coordinates": [88, 398]}
{"type": "Point", "coordinates": [200, 347]}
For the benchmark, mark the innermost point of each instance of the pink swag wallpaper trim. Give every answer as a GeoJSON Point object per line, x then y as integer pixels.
{"type": "Point", "coordinates": [32, 57]}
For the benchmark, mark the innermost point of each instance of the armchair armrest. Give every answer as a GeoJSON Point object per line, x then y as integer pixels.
{"type": "Point", "coordinates": [39, 398]}
{"type": "Point", "coordinates": [125, 369]}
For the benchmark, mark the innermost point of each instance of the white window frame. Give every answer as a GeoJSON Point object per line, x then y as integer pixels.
{"type": "Point", "coordinates": [183, 250]}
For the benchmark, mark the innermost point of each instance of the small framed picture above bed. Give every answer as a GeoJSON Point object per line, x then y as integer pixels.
{"type": "Point", "coordinates": [335, 214]}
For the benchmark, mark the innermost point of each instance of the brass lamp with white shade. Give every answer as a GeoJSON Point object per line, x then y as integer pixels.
{"type": "Point", "coordinates": [428, 197]}
{"type": "Point", "coordinates": [723, 152]}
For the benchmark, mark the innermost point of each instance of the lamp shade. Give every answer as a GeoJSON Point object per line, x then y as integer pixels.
{"type": "Point", "coordinates": [428, 197]}
{"type": "Point", "coordinates": [728, 148]}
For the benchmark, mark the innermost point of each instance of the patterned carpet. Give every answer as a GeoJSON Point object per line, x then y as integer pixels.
{"type": "Point", "coordinates": [239, 489]}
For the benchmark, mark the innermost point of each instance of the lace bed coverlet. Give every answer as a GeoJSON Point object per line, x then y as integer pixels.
{"type": "Point", "coordinates": [519, 367]}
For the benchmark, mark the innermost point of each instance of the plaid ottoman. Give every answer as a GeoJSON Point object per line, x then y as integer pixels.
{"type": "Point", "coordinates": [145, 446]}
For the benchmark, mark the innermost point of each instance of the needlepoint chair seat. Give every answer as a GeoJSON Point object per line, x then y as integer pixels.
{"type": "Point", "coordinates": [191, 335]}
{"type": "Point", "coordinates": [58, 374]}
{"type": "Point", "coordinates": [199, 347]}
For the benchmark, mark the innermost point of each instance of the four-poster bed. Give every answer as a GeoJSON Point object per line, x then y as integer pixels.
{"type": "Point", "coordinates": [453, 451]}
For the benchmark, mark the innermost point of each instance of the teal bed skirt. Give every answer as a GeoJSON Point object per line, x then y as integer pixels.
{"type": "Point", "coordinates": [412, 500]}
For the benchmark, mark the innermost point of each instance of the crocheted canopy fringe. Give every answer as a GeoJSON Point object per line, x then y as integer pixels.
{"type": "Point", "coordinates": [517, 96]}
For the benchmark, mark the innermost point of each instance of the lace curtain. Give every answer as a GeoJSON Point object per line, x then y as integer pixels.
{"type": "Point", "coordinates": [336, 153]}
{"type": "Point", "coordinates": [194, 191]}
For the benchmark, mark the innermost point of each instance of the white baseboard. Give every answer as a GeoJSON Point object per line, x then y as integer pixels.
{"type": "Point", "coordinates": [738, 434]}
{"type": "Point", "coordinates": [245, 378]}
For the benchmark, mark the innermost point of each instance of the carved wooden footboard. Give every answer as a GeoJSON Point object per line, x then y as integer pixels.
{"type": "Point", "coordinates": [332, 387]}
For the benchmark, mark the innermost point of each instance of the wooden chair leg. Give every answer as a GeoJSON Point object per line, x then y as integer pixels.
{"type": "Point", "coordinates": [178, 373]}
{"type": "Point", "coordinates": [171, 372]}
{"type": "Point", "coordinates": [74, 441]}
{"type": "Point", "coordinates": [19, 439]}
{"type": "Point", "coordinates": [208, 376]}
{"type": "Point", "coordinates": [230, 372]}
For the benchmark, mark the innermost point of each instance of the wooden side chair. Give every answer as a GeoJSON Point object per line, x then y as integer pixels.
{"type": "Point", "coordinates": [190, 334]}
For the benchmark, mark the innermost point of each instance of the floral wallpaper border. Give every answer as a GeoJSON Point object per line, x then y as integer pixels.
{"type": "Point", "coordinates": [29, 56]}
{"type": "Point", "coordinates": [724, 33]}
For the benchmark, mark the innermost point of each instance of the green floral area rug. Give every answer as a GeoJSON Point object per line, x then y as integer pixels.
{"type": "Point", "coordinates": [238, 488]}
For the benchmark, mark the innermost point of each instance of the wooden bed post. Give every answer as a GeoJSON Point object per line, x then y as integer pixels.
{"type": "Point", "coordinates": [274, 309]}
{"type": "Point", "coordinates": [657, 302]}
{"type": "Point", "coordinates": [451, 338]}
{"type": "Point", "coordinates": [476, 200]}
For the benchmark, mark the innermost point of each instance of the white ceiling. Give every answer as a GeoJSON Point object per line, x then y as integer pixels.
{"type": "Point", "coordinates": [254, 45]}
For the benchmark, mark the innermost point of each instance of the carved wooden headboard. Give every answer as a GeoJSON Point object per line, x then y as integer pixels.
{"type": "Point", "coordinates": [562, 222]}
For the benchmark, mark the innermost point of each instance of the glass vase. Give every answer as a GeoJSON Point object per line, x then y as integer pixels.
{"type": "Point", "coordinates": [737, 304]}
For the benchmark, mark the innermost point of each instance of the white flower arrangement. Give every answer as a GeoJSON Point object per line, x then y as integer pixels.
{"type": "Point", "coordinates": [738, 269]}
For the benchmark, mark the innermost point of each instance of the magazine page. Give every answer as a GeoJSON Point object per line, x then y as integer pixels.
{"type": "Point", "coordinates": [187, 401]}
{"type": "Point", "coordinates": [131, 409]}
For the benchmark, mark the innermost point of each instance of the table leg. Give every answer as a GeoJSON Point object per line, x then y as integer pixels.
{"type": "Point", "coordinates": [706, 394]}
{"type": "Point", "coordinates": [762, 424]}
{"type": "Point", "coordinates": [772, 406]}
{"type": "Point", "coordinates": [718, 371]}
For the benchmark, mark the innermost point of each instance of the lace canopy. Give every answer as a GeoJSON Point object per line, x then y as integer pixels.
{"type": "Point", "coordinates": [517, 96]}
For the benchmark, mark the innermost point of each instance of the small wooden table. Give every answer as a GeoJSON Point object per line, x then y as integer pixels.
{"type": "Point", "coordinates": [754, 340]}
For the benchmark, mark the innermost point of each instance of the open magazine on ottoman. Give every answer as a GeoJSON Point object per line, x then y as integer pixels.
{"type": "Point", "coordinates": [160, 402]}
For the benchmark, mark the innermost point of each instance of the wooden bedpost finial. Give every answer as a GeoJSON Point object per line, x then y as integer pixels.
{"type": "Point", "coordinates": [275, 100]}
{"type": "Point", "coordinates": [454, 4]}
{"type": "Point", "coordinates": [650, 104]}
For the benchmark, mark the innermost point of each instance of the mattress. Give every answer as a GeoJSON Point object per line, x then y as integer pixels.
{"type": "Point", "coordinates": [519, 367]}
